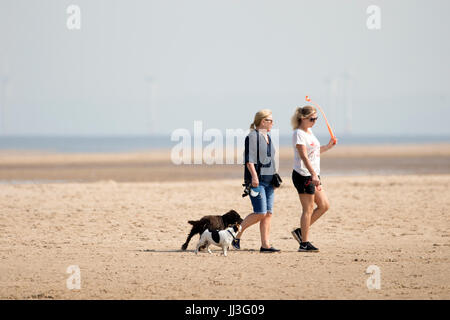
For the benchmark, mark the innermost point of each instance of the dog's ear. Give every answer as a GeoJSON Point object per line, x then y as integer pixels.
{"type": "Point", "coordinates": [236, 227]}
{"type": "Point", "coordinates": [227, 214]}
{"type": "Point", "coordinates": [232, 216]}
{"type": "Point", "coordinates": [235, 214]}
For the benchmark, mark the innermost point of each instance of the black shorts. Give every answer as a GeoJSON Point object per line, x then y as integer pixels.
{"type": "Point", "coordinates": [303, 184]}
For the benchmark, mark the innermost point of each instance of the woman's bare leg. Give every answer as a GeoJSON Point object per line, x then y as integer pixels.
{"type": "Point", "coordinates": [249, 220]}
{"type": "Point", "coordinates": [307, 201]}
{"type": "Point", "coordinates": [321, 199]}
{"type": "Point", "coordinates": [264, 228]}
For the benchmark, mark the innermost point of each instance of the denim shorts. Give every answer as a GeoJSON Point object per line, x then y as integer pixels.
{"type": "Point", "coordinates": [263, 202]}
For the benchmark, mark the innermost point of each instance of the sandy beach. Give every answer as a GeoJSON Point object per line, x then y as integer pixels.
{"type": "Point", "coordinates": [156, 166]}
{"type": "Point", "coordinates": [122, 218]}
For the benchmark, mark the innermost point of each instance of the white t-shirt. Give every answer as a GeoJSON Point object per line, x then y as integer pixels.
{"type": "Point", "coordinates": [312, 149]}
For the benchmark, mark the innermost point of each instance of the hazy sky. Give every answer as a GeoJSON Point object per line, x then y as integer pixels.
{"type": "Point", "coordinates": [221, 61]}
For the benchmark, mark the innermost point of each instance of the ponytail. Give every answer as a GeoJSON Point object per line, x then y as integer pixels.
{"type": "Point", "coordinates": [259, 116]}
{"type": "Point", "coordinates": [301, 113]}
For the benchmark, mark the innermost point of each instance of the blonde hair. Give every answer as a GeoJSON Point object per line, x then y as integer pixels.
{"type": "Point", "coordinates": [259, 116]}
{"type": "Point", "coordinates": [301, 113]}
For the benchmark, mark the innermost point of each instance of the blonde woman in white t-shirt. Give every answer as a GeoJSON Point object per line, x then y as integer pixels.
{"type": "Point", "coordinates": [306, 173]}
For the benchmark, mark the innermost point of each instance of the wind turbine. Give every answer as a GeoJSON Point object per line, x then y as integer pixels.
{"type": "Point", "coordinates": [348, 100]}
{"type": "Point", "coordinates": [151, 113]}
{"type": "Point", "coordinates": [4, 81]}
{"type": "Point", "coordinates": [334, 85]}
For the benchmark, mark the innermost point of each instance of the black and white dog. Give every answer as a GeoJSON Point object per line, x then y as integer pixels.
{"type": "Point", "coordinates": [220, 238]}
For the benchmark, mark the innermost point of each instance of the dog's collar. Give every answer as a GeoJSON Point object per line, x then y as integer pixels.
{"type": "Point", "coordinates": [231, 234]}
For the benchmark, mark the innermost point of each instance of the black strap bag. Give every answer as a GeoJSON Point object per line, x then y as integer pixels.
{"type": "Point", "coordinates": [276, 180]}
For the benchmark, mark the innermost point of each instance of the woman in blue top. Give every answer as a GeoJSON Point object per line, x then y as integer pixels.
{"type": "Point", "coordinates": [259, 170]}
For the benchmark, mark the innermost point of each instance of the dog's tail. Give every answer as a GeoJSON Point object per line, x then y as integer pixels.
{"type": "Point", "coordinates": [192, 222]}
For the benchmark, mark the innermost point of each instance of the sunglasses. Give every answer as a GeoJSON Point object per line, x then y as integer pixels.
{"type": "Point", "coordinates": [313, 119]}
{"type": "Point", "coordinates": [268, 120]}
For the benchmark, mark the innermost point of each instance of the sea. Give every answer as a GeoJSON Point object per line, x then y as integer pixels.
{"type": "Point", "coordinates": [142, 143]}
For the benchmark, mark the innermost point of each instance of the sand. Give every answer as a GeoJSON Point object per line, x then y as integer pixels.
{"type": "Point", "coordinates": [125, 237]}
{"type": "Point", "coordinates": [157, 166]}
